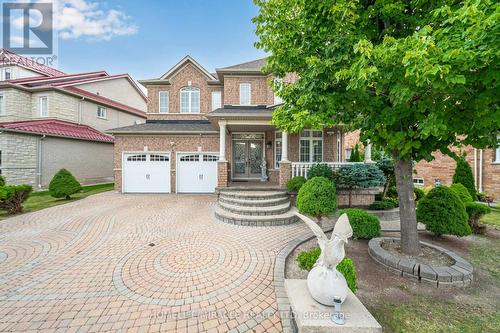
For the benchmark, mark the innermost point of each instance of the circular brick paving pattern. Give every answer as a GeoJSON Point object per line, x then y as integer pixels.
{"type": "Point", "coordinates": [157, 263]}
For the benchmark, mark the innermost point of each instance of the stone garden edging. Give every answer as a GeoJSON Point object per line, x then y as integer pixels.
{"type": "Point", "coordinates": [386, 215]}
{"type": "Point", "coordinates": [458, 274]}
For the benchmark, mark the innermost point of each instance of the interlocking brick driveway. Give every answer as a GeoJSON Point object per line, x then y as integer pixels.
{"type": "Point", "coordinates": [91, 266]}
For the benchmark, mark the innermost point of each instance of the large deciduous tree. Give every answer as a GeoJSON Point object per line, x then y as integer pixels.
{"type": "Point", "coordinates": [414, 76]}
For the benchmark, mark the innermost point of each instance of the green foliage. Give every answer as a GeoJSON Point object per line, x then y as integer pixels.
{"type": "Point", "coordinates": [64, 184]}
{"type": "Point", "coordinates": [317, 197]}
{"type": "Point", "coordinates": [2, 181]}
{"type": "Point", "coordinates": [307, 259]}
{"type": "Point", "coordinates": [463, 175]}
{"type": "Point", "coordinates": [419, 193]}
{"type": "Point", "coordinates": [320, 170]}
{"type": "Point", "coordinates": [12, 197]}
{"type": "Point", "coordinates": [364, 225]}
{"type": "Point", "coordinates": [359, 176]}
{"type": "Point", "coordinates": [476, 211]}
{"type": "Point", "coordinates": [395, 201]}
{"type": "Point", "coordinates": [462, 192]}
{"type": "Point", "coordinates": [382, 205]}
{"type": "Point", "coordinates": [294, 184]}
{"type": "Point", "coordinates": [443, 213]}
{"type": "Point", "coordinates": [355, 154]}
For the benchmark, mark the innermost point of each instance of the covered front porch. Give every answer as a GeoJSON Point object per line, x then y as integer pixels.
{"type": "Point", "coordinates": [253, 151]}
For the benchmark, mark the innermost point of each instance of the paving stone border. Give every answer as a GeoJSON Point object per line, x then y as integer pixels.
{"type": "Point", "coordinates": [458, 274]}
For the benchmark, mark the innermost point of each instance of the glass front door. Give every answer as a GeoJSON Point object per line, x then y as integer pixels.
{"type": "Point", "coordinates": [247, 158]}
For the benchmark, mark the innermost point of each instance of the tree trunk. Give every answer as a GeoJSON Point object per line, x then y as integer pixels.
{"type": "Point", "coordinates": [386, 187]}
{"type": "Point", "coordinates": [350, 198]}
{"type": "Point", "coordinates": [404, 182]}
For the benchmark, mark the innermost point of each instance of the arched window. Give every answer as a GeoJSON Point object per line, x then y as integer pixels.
{"type": "Point", "coordinates": [190, 100]}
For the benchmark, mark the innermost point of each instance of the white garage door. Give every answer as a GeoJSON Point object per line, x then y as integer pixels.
{"type": "Point", "coordinates": [196, 173]}
{"type": "Point", "coordinates": [146, 173]}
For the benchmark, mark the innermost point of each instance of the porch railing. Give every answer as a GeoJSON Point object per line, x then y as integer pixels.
{"type": "Point", "coordinates": [302, 168]}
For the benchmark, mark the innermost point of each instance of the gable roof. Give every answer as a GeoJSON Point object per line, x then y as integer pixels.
{"type": "Point", "coordinates": [15, 59]}
{"type": "Point", "coordinates": [184, 61]}
{"type": "Point", "coordinates": [168, 127]}
{"type": "Point", "coordinates": [58, 128]}
{"type": "Point", "coordinates": [249, 66]}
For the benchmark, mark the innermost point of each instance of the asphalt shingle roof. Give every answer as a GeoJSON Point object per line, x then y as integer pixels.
{"type": "Point", "coordinates": [168, 126]}
{"type": "Point", "coordinates": [254, 65]}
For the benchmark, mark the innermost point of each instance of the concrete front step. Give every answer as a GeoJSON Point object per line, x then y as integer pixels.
{"type": "Point", "coordinates": [254, 203]}
{"type": "Point", "coordinates": [256, 220]}
{"type": "Point", "coordinates": [245, 210]}
{"type": "Point", "coordinates": [253, 195]}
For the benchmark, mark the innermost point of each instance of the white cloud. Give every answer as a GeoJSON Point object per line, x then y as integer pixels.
{"type": "Point", "coordinates": [85, 19]}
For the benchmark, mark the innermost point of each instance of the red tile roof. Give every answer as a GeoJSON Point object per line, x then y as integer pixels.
{"type": "Point", "coordinates": [16, 59]}
{"type": "Point", "coordinates": [106, 101]}
{"type": "Point", "coordinates": [55, 127]}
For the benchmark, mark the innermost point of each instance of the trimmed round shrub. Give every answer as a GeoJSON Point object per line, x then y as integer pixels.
{"type": "Point", "coordinates": [462, 192]}
{"type": "Point", "coordinates": [64, 184]}
{"type": "Point", "coordinates": [419, 193]}
{"type": "Point", "coordinates": [320, 170]}
{"type": "Point", "coordinates": [463, 175]}
{"type": "Point", "coordinates": [364, 225]}
{"type": "Point", "coordinates": [382, 205]}
{"type": "Point", "coordinates": [2, 181]}
{"type": "Point", "coordinates": [317, 197]}
{"type": "Point", "coordinates": [443, 213]}
{"type": "Point", "coordinates": [307, 259]}
{"type": "Point", "coordinates": [476, 211]}
{"type": "Point", "coordinates": [294, 184]}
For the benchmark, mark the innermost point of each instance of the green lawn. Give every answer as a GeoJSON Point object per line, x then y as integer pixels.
{"type": "Point", "coordinates": [41, 200]}
{"type": "Point", "coordinates": [493, 218]}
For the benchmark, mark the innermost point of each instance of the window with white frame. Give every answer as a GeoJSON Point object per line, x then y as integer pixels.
{"type": "Point", "coordinates": [418, 181]}
{"type": "Point", "coordinates": [190, 100]}
{"type": "Point", "coordinates": [245, 94]}
{"type": "Point", "coordinates": [163, 101]}
{"type": "Point", "coordinates": [216, 100]}
{"type": "Point", "coordinates": [497, 151]}
{"type": "Point", "coordinates": [277, 87]}
{"type": "Point", "coordinates": [277, 149]}
{"type": "Point", "coordinates": [348, 152]}
{"type": "Point", "coordinates": [101, 112]}
{"type": "Point", "coordinates": [43, 106]}
{"type": "Point", "coordinates": [3, 112]}
{"type": "Point", "coordinates": [8, 74]}
{"type": "Point", "coordinates": [311, 146]}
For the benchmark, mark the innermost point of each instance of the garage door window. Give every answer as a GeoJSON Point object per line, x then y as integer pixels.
{"type": "Point", "coordinates": [158, 158]}
{"type": "Point", "coordinates": [210, 158]}
{"type": "Point", "coordinates": [136, 158]}
{"type": "Point", "coordinates": [190, 158]}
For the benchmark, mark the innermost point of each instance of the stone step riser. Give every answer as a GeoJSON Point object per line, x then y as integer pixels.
{"type": "Point", "coordinates": [254, 203]}
{"type": "Point", "coordinates": [255, 212]}
{"type": "Point", "coordinates": [250, 196]}
{"type": "Point", "coordinates": [275, 221]}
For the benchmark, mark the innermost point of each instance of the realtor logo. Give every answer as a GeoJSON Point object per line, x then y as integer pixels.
{"type": "Point", "coordinates": [27, 27]}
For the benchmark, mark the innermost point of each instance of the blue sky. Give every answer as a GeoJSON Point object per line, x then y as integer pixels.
{"type": "Point", "coordinates": [145, 38]}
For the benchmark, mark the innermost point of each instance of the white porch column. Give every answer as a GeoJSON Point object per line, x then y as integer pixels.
{"type": "Point", "coordinates": [222, 141]}
{"type": "Point", "coordinates": [284, 147]}
{"type": "Point", "coordinates": [368, 152]}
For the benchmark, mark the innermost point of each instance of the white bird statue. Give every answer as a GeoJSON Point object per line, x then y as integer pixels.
{"type": "Point", "coordinates": [325, 283]}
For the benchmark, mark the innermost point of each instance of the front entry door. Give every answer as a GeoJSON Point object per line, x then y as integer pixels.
{"type": "Point", "coordinates": [247, 159]}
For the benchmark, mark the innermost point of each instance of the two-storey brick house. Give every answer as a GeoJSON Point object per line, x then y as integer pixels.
{"type": "Point", "coordinates": [206, 130]}
{"type": "Point", "coordinates": [51, 120]}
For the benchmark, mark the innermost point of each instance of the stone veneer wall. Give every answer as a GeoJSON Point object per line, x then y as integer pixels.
{"type": "Point", "coordinates": [19, 158]}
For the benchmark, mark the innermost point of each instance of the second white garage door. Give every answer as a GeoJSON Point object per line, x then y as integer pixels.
{"type": "Point", "coordinates": [196, 172]}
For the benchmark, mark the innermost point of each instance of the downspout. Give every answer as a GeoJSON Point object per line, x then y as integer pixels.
{"type": "Point", "coordinates": [40, 161]}
{"type": "Point", "coordinates": [80, 110]}
{"type": "Point", "coordinates": [475, 167]}
{"type": "Point", "coordinates": [480, 170]}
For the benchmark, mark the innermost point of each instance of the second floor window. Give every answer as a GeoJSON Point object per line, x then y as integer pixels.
{"type": "Point", "coordinates": [190, 100]}
{"type": "Point", "coordinates": [311, 146]}
{"type": "Point", "coordinates": [43, 106]}
{"type": "Point", "coordinates": [216, 100]}
{"type": "Point", "coordinates": [2, 105]}
{"type": "Point", "coordinates": [497, 151]}
{"type": "Point", "coordinates": [101, 112]}
{"type": "Point", "coordinates": [245, 93]}
{"type": "Point", "coordinates": [277, 87]}
{"type": "Point", "coordinates": [8, 74]}
{"type": "Point", "coordinates": [163, 101]}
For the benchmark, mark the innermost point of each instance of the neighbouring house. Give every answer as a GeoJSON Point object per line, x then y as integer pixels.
{"type": "Point", "coordinates": [51, 120]}
{"type": "Point", "coordinates": [485, 164]}
{"type": "Point", "coordinates": [207, 130]}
